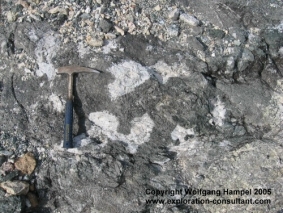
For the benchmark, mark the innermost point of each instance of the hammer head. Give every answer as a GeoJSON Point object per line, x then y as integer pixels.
{"type": "Point", "coordinates": [76, 69]}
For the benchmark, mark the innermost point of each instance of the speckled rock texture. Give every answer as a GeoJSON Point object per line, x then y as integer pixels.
{"type": "Point", "coordinates": [187, 109]}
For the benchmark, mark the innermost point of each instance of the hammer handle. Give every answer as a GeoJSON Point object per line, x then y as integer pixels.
{"type": "Point", "coordinates": [68, 126]}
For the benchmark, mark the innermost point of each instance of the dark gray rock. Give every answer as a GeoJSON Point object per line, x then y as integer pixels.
{"type": "Point", "coordinates": [2, 159]}
{"type": "Point", "coordinates": [216, 33]}
{"type": "Point", "coordinates": [271, 74]}
{"type": "Point", "coordinates": [9, 176]}
{"type": "Point", "coordinates": [246, 59]}
{"type": "Point", "coordinates": [105, 25]}
{"type": "Point", "coordinates": [273, 38]}
{"type": "Point", "coordinates": [10, 204]}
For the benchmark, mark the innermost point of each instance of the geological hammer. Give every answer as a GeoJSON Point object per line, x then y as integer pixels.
{"type": "Point", "coordinates": [68, 125]}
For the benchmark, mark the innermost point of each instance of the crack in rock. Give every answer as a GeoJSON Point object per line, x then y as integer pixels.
{"type": "Point", "coordinates": [17, 100]}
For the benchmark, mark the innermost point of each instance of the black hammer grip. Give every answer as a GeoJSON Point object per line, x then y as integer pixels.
{"type": "Point", "coordinates": [68, 126]}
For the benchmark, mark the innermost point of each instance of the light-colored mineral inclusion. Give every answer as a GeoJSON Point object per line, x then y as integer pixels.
{"type": "Point", "coordinates": [45, 50]}
{"type": "Point", "coordinates": [128, 75]}
{"type": "Point", "coordinates": [106, 126]}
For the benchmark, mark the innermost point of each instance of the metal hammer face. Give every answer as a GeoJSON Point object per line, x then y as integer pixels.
{"type": "Point", "coordinates": [75, 69]}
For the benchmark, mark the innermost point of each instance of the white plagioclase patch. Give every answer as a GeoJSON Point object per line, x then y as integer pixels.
{"type": "Point", "coordinates": [273, 113]}
{"type": "Point", "coordinates": [166, 71]}
{"type": "Point", "coordinates": [180, 133]}
{"type": "Point", "coordinates": [106, 124]}
{"type": "Point", "coordinates": [230, 64]}
{"type": "Point", "coordinates": [2, 67]}
{"type": "Point", "coordinates": [218, 113]}
{"type": "Point", "coordinates": [186, 145]}
{"type": "Point", "coordinates": [81, 140]}
{"type": "Point", "coordinates": [141, 129]}
{"type": "Point", "coordinates": [82, 49]}
{"type": "Point", "coordinates": [3, 44]}
{"type": "Point", "coordinates": [33, 108]}
{"type": "Point", "coordinates": [189, 19]}
{"type": "Point", "coordinates": [27, 71]}
{"type": "Point", "coordinates": [191, 152]}
{"type": "Point", "coordinates": [56, 102]}
{"type": "Point", "coordinates": [32, 35]}
{"type": "Point", "coordinates": [128, 75]}
{"type": "Point", "coordinates": [225, 145]}
{"type": "Point", "coordinates": [110, 45]}
{"type": "Point", "coordinates": [279, 27]}
{"type": "Point", "coordinates": [46, 49]}
{"type": "Point", "coordinates": [59, 148]}
{"type": "Point", "coordinates": [105, 121]}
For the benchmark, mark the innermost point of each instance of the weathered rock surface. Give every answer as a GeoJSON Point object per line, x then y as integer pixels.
{"type": "Point", "coordinates": [15, 187]}
{"type": "Point", "coordinates": [10, 204]}
{"type": "Point", "coordinates": [190, 96]}
{"type": "Point", "coordinates": [26, 164]}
